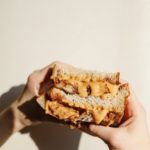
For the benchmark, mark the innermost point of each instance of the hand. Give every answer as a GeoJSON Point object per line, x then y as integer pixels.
{"type": "Point", "coordinates": [25, 110]}
{"type": "Point", "coordinates": [132, 133]}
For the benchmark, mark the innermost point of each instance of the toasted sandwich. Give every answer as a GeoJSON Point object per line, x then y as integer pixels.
{"type": "Point", "coordinates": [79, 96]}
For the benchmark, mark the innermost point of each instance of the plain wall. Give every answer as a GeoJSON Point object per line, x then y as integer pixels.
{"type": "Point", "coordinates": [110, 35]}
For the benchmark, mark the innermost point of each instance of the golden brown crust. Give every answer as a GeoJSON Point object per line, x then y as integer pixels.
{"type": "Point", "coordinates": [67, 72]}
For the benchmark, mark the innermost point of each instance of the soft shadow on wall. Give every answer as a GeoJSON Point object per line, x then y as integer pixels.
{"type": "Point", "coordinates": [47, 136]}
{"type": "Point", "coordinates": [50, 136]}
{"type": "Point", "coordinates": [10, 96]}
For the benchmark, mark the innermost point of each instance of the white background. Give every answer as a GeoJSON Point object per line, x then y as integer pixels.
{"type": "Point", "coordinates": [110, 35]}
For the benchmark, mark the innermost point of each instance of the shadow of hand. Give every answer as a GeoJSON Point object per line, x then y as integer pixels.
{"type": "Point", "coordinates": [46, 135]}
{"type": "Point", "coordinates": [51, 136]}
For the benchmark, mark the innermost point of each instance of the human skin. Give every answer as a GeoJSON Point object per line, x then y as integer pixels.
{"type": "Point", "coordinates": [24, 111]}
{"type": "Point", "coordinates": [131, 135]}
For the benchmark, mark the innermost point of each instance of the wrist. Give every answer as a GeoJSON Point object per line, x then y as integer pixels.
{"type": "Point", "coordinates": [6, 125]}
{"type": "Point", "coordinates": [20, 121]}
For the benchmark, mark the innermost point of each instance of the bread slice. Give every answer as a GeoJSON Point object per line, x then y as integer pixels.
{"type": "Point", "coordinates": [79, 96]}
{"type": "Point", "coordinates": [65, 72]}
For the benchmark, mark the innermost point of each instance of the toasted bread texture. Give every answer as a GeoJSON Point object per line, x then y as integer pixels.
{"type": "Point", "coordinates": [79, 96]}
{"type": "Point", "coordinates": [65, 72]}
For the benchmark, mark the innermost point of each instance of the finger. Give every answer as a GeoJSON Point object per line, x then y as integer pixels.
{"type": "Point", "coordinates": [133, 102]}
{"type": "Point", "coordinates": [51, 65]}
{"type": "Point", "coordinates": [86, 130]}
{"type": "Point", "coordinates": [130, 109]}
{"type": "Point", "coordinates": [44, 77]}
{"type": "Point", "coordinates": [102, 132]}
{"type": "Point", "coordinates": [42, 73]}
{"type": "Point", "coordinates": [38, 77]}
{"type": "Point", "coordinates": [127, 122]}
{"type": "Point", "coordinates": [134, 106]}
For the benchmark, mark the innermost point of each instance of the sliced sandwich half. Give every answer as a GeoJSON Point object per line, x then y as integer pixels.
{"type": "Point", "coordinates": [79, 96]}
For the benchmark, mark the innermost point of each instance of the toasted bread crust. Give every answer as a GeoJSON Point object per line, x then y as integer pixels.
{"type": "Point", "coordinates": [64, 71]}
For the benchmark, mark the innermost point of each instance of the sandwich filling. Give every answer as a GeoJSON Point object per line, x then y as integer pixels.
{"type": "Point", "coordinates": [83, 96]}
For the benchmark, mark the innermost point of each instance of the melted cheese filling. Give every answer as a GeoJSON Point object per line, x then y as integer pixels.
{"type": "Point", "coordinates": [97, 88]}
{"type": "Point", "coordinates": [60, 111]}
{"type": "Point", "coordinates": [98, 112]}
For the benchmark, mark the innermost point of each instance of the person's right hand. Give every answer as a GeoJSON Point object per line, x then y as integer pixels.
{"type": "Point", "coordinates": [132, 133]}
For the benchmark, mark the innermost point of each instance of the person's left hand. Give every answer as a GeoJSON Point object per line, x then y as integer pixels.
{"type": "Point", "coordinates": [26, 110]}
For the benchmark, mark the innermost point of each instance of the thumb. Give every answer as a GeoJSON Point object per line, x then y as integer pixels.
{"type": "Point", "coordinates": [102, 132]}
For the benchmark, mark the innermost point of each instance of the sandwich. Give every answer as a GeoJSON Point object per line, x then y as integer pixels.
{"type": "Point", "coordinates": [77, 96]}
